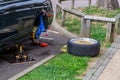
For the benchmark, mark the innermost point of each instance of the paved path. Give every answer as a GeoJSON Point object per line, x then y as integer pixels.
{"type": "Point", "coordinates": [112, 69]}
{"type": "Point", "coordinates": [40, 54]}
{"type": "Point", "coordinates": [78, 3]}
{"type": "Point", "coordinates": [108, 66]}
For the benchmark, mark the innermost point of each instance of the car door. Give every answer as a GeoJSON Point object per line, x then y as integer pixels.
{"type": "Point", "coordinates": [10, 31]}
{"type": "Point", "coordinates": [3, 22]}
{"type": "Point", "coordinates": [14, 11]}
{"type": "Point", "coordinates": [2, 17]}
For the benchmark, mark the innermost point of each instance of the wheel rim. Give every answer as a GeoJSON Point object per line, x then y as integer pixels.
{"type": "Point", "coordinates": [87, 40]}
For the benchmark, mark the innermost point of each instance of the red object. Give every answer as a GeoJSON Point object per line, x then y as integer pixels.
{"type": "Point", "coordinates": [46, 35]}
{"type": "Point", "coordinates": [43, 44]}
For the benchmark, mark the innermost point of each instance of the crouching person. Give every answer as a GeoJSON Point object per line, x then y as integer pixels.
{"type": "Point", "coordinates": [40, 25]}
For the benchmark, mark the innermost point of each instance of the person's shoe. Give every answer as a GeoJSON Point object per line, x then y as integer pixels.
{"type": "Point", "coordinates": [43, 44]}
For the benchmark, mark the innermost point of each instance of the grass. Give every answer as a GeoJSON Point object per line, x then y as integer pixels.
{"type": "Point", "coordinates": [98, 32]}
{"type": "Point", "coordinates": [73, 25]}
{"type": "Point", "coordinates": [98, 29]}
{"type": "Point", "coordinates": [99, 11]}
{"type": "Point", "coordinates": [62, 67]}
{"type": "Point", "coordinates": [65, 66]}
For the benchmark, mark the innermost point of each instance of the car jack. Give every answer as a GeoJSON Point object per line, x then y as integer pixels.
{"type": "Point", "coordinates": [21, 56]}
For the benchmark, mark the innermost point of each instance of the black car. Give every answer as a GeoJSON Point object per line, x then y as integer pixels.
{"type": "Point", "coordinates": [17, 18]}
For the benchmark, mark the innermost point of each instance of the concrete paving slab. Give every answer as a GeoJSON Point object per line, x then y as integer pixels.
{"type": "Point", "coordinates": [107, 68]}
{"type": "Point", "coordinates": [112, 70]}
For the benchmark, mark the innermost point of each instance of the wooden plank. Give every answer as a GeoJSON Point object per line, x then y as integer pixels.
{"type": "Point", "coordinates": [97, 18]}
{"type": "Point", "coordinates": [74, 12]}
{"type": "Point", "coordinates": [63, 18]}
{"type": "Point", "coordinates": [59, 5]}
{"type": "Point", "coordinates": [89, 2]}
{"type": "Point", "coordinates": [72, 4]}
{"type": "Point", "coordinates": [83, 28]}
{"type": "Point", "coordinates": [118, 26]}
{"type": "Point", "coordinates": [108, 32]}
{"type": "Point", "coordinates": [112, 32]}
{"type": "Point", "coordinates": [88, 26]}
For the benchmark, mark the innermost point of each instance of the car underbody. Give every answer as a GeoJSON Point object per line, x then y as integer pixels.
{"type": "Point", "coordinates": [17, 18]}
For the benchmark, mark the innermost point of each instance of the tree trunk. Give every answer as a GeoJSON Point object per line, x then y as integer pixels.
{"type": "Point", "coordinates": [108, 4]}
{"type": "Point", "coordinates": [89, 2]}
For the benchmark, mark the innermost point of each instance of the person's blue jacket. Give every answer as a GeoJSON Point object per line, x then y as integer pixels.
{"type": "Point", "coordinates": [41, 27]}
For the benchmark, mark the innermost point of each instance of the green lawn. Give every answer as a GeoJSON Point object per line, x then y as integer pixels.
{"type": "Point", "coordinates": [98, 31]}
{"type": "Point", "coordinates": [62, 67]}
{"type": "Point", "coordinates": [73, 25]}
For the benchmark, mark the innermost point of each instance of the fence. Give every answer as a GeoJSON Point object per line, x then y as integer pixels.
{"type": "Point", "coordinates": [87, 19]}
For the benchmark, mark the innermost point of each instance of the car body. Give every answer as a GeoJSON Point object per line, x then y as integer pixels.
{"type": "Point", "coordinates": [17, 18]}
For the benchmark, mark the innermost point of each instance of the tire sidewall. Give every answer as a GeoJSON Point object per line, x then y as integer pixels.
{"type": "Point", "coordinates": [83, 49]}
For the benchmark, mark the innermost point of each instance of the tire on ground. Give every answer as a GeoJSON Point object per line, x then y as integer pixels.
{"type": "Point", "coordinates": [83, 49]}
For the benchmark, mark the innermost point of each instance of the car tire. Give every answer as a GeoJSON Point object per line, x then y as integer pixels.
{"type": "Point", "coordinates": [90, 50]}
